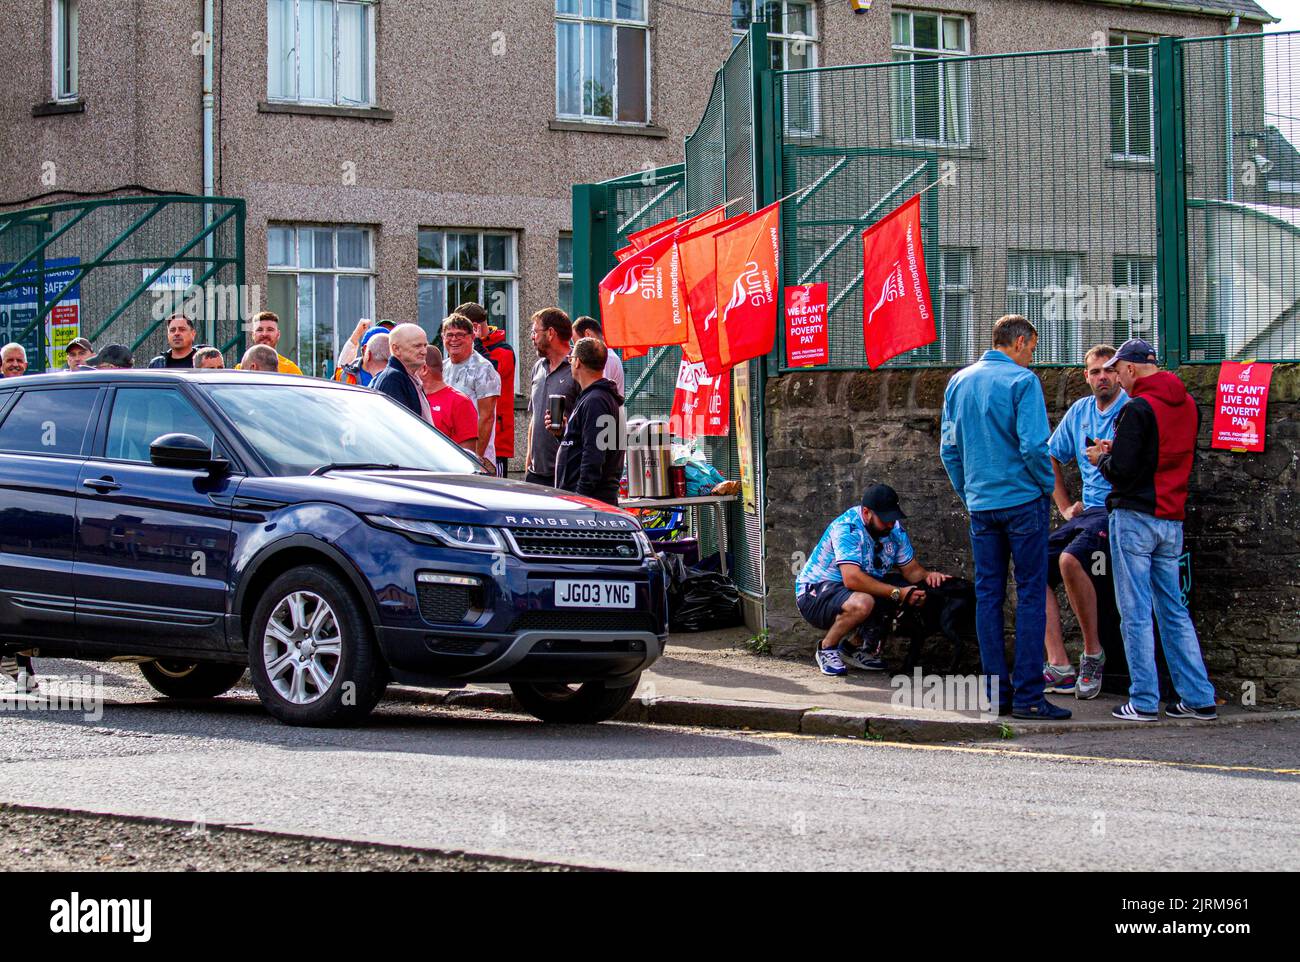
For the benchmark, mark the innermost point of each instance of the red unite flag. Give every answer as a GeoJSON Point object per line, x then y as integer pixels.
{"type": "Point", "coordinates": [701, 403]}
{"type": "Point", "coordinates": [747, 254]}
{"type": "Point", "coordinates": [699, 279]}
{"type": "Point", "coordinates": [896, 312]}
{"type": "Point", "coordinates": [642, 301]}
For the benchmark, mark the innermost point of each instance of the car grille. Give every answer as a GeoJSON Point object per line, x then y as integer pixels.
{"type": "Point", "coordinates": [446, 604]}
{"type": "Point", "coordinates": [593, 545]}
{"type": "Point", "coordinates": [585, 621]}
{"type": "Point", "coordinates": [460, 646]}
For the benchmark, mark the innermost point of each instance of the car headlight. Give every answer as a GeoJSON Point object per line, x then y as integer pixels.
{"type": "Point", "coordinates": [643, 540]}
{"type": "Point", "coordinates": [472, 537]}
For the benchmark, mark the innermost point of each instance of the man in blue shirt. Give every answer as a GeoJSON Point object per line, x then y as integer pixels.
{"type": "Point", "coordinates": [1082, 545]}
{"type": "Point", "coordinates": [994, 446]}
{"type": "Point", "coordinates": [846, 586]}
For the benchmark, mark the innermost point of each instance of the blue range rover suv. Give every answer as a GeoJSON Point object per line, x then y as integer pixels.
{"type": "Point", "coordinates": [320, 536]}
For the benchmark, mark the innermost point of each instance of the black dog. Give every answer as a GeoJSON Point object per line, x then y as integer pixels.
{"type": "Point", "coordinates": [949, 610]}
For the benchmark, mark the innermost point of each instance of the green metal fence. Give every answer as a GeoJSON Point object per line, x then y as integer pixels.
{"type": "Point", "coordinates": [1148, 189]}
{"type": "Point", "coordinates": [112, 269]}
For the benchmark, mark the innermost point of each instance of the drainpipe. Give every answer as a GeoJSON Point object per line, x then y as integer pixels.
{"type": "Point", "coordinates": [1227, 104]}
{"type": "Point", "coordinates": [209, 246]}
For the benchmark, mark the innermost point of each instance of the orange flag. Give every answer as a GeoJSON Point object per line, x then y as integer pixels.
{"type": "Point", "coordinates": [698, 269]}
{"type": "Point", "coordinates": [747, 254]}
{"type": "Point", "coordinates": [641, 299]}
{"type": "Point", "coordinates": [644, 238]}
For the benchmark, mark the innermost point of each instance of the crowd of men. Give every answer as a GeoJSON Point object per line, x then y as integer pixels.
{"type": "Point", "coordinates": [1133, 438]}
{"type": "Point", "coordinates": [458, 388]}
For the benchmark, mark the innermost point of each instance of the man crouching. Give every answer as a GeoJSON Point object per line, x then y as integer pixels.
{"type": "Point", "coordinates": [846, 587]}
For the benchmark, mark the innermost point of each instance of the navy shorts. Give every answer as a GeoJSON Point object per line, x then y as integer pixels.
{"type": "Point", "coordinates": [821, 604]}
{"type": "Point", "coordinates": [1083, 537]}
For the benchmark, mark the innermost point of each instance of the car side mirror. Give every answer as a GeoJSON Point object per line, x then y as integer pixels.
{"type": "Point", "coordinates": [185, 451]}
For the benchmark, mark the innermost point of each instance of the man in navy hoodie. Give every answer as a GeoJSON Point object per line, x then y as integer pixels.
{"type": "Point", "coordinates": [1148, 465]}
{"type": "Point", "coordinates": [590, 461]}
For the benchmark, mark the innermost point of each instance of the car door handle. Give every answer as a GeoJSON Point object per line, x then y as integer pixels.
{"type": "Point", "coordinates": [101, 485]}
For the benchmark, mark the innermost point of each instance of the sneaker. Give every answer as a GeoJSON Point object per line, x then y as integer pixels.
{"type": "Point", "coordinates": [1089, 682]}
{"type": "Point", "coordinates": [1182, 710]}
{"type": "Point", "coordinates": [1127, 712]}
{"type": "Point", "coordinates": [1058, 681]}
{"type": "Point", "coordinates": [1043, 711]}
{"type": "Point", "coordinates": [861, 658]}
{"type": "Point", "coordinates": [828, 660]}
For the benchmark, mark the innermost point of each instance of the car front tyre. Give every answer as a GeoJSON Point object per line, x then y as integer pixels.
{"type": "Point", "coordinates": [583, 704]}
{"type": "Point", "coordinates": [191, 679]}
{"type": "Point", "coordinates": [311, 652]}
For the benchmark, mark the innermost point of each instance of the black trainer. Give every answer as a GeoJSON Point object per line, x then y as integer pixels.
{"type": "Point", "coordinates": [1182, 710]}
{"type": "Point", "coordinates": [1043, 711]}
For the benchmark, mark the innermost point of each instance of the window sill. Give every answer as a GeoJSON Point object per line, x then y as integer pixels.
{"type": "Point", "coordinates": [1130, 163]}
{"type": "Point", "coordinates": [54, 107]}
{"type": "Point", "coordinates": [587, 127]}
{"type": "Point", "coordinates": [324, 110]}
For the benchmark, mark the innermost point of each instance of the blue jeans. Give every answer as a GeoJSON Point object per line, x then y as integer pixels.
{"type": "Point", "coordinates": [1144, 551]}
{"type": "Point", "coordinates": [996, 538]}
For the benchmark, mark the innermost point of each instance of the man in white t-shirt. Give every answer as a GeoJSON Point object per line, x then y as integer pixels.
{"type": "Point", "coordinates": [590, 327]}
{"type": "Point", "coordinates": [473, 375]}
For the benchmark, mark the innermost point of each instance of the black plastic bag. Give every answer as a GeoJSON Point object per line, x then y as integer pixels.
{"type": "Point", "coordinates": [704, 601]}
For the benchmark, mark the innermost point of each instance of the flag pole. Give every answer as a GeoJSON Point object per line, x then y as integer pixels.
{"type": "Point", "coordinates": [805, 190]}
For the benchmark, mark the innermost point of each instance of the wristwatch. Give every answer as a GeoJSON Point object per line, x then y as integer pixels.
{"type": "Point", "coordinates": [895, 595]}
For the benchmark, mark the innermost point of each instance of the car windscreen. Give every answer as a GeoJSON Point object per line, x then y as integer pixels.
{"type": "Point", "coordinates": [298, 428]}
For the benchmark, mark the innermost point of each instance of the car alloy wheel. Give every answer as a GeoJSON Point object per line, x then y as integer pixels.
{"type": "Point", "coordinates": [301, 647]}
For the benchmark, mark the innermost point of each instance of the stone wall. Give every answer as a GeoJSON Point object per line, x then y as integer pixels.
{"type": "Point", "coordinates": [830, 434]}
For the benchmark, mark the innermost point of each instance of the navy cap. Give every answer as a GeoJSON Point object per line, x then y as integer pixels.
{"type": "Point", "coordinates": [1136, 350]}
{"type": "Point", "coordinates": [883, 502]}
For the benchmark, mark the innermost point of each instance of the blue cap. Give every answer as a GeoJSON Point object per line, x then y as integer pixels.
{"type": "Point", "coordinates": [365, 338]}
{"type": "Point", "coordinates": [1135, 350]}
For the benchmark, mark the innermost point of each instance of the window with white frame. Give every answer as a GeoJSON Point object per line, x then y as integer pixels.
{"type": "Point", "coordinates": [1132, 97]}
{"type": "Point", "coordinates": [321, 52]}
{"type": "Point", "coordinates": [320, 282]}
{"type": "Point", "coordinates": [1044, 287]}
{"type": "Point", "coordinates": [602, 61]}
{"type": "Point", "coordinates": [792, 45]}
{"type": "Point", "coordinates": [956, 307]}
{"type": "Point", "coordinates": [565, 299]}
{"type": "Point", "coordinates": [1133, 299]}
{"type": "Point", "coordinates": [930, 99]}
{"type": "Point", "coordinates": [457, 266]}
{"type": "Point", "coordinates": [64, 59]}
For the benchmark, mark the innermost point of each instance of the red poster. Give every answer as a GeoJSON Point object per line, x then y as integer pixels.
{"type": "Point", "coordinates": [1242, 406]}
{"type": "Point", "coordinates": [806, 339]}
{"type": "Point", "coordinates": [896, 312]}
{"type": "Point", "coordinates": [701, 403]}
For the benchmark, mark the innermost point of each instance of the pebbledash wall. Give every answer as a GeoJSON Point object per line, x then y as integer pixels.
{"type": "Point", "coordinates": [829, 434]}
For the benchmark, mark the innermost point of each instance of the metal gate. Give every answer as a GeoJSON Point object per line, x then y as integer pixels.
{"type": "Point", "coordinates": [112, 270]}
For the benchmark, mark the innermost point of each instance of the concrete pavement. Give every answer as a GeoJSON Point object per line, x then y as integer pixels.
{"type": "Point", "coordinates": [711, 679]}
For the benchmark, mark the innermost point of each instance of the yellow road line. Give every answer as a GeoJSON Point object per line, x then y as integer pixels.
{"type": "Point", "coordinates": [1024, 753]}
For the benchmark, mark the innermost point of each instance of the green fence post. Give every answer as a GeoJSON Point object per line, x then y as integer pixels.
{"type": "Point", "coordinates": [589, 249]}
{"type": "Point", "coordinates": [1171, 203]}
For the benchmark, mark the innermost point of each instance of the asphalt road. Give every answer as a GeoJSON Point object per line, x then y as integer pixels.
{"type": "Point", "coordinates": [630, 796]}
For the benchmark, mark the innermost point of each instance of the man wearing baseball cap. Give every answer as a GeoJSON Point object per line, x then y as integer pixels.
{"type": "Point", "coordinates": [1148, 465]}
{"type": "Point", "coordinates": [847, 586]}
{"type": "Point", "coordinates": [77, 351]}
